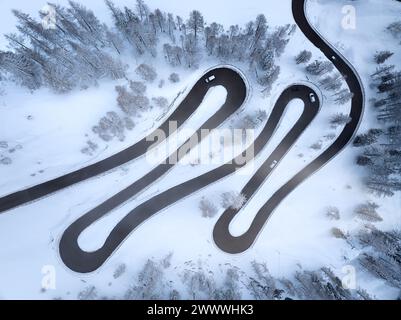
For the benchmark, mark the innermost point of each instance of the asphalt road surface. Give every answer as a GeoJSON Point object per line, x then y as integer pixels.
{"type": "Point", "coordinates": [81, 261]}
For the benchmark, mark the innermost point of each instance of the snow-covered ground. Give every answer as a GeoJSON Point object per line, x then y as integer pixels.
{"type": "Point", "coordinates": [298, 234]}
{"type": "Point", "coordinates": [359, 46]}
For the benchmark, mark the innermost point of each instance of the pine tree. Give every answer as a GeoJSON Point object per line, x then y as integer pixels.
{"type": "Point", "coordinates": [93, 31]}
{"type": "Point", "coordinates": [318, 68]}
{"type": "Point", "coordinates": [382, 56]}
{"type": "Point", "coordinates": [258, 32]}
{"type": "Point", "coordinates": [22, 70]}
{"type": "Point", "coordinates": [332, 83]}
{"type": "Point", "coordinates": [343, 96]}
{"type": "Point", "coordinates": [208, 209]}
{"type": "Point", "coordinates": [303, 57]}
{"type": "Point", "coordinates": [368, 212]}
{"type": "Point", "coordinates": [195, 24]}
{"type": "Point", "coordinates": [340, 119]}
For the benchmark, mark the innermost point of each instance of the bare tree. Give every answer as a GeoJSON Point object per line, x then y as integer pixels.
{"type": "Point", "coordinates": [230, 288]}
{"type": "Point", "coordinates": [160, 102]}
{"type": "Point", "coordinates": [146, 72]}
{"type": "Point", "coordinates": [120, 270]}
{"type": "Point", "coordinates": [110, 126]}
{"type": "Point", "coordinates": [200, 285]}
{"type": "Point", "coordinates": [263, 286]}
{"type": "Point", "coordinates": [138, 88]}
{"type": "Point", "coordinates": [90, 148]}
{"type": "Point", "coordinates": [150, 285]}
{"type": "Point", "coordinates": [174, 77]}
{"type": "Point", "coordinates": [130, 103]}
{"type": "Point", "coordinates": [208, 208]}
{"type": "Point", "coordinates": [232, 200]}
{"type": "Point", "coordinates": [333, 213]}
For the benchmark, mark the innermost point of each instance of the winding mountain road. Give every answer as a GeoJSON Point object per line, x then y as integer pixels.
{"type": "Point", "coordinates": [81, 261]}
{"type": "Point", "coordinates": [221, 233]}
{"type": "Point", "coordinates": [84, 262]}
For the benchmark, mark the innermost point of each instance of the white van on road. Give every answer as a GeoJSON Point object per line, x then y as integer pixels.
{"type": "Point", "coordinates": [210, 79]}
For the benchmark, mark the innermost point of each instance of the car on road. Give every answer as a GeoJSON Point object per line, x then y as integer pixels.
{"type": "Point", "coordinates": [210, 79]}
{"type": "Point", "coordinates": [274, 164]}
{"type": "Point", "coordinates": [312, 97]}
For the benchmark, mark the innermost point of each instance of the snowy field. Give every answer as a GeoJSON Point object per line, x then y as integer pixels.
{"type": "Point", "coordinates": [48, 132]}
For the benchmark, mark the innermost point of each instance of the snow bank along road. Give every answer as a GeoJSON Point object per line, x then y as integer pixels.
{"type": "Point", "coordinates": [81, 261]}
